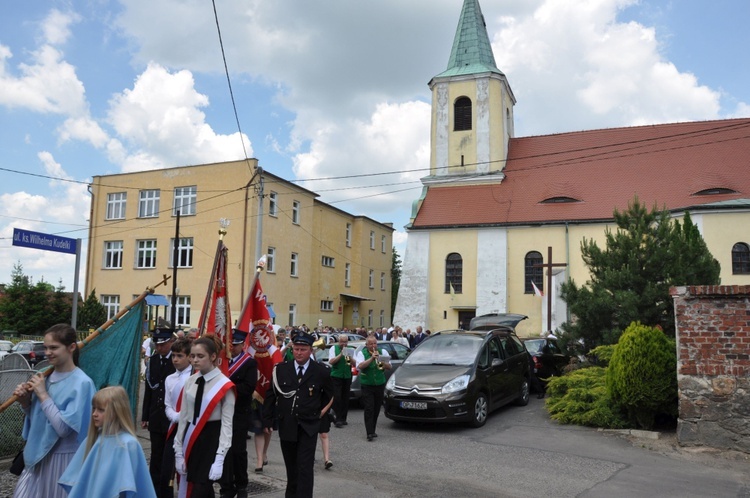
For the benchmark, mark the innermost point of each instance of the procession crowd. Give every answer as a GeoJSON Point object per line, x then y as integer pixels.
{"type": "Point", "coordinates": [198, 414]}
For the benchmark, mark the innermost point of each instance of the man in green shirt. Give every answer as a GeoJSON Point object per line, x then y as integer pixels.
{"type": "Point", "coordinates": [372, 363]}
{"type": "Point", "coordinates": [341, 360]}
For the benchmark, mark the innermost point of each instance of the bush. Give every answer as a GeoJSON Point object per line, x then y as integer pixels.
{"type": "Point", "coordinates": [580, 397]}
{"type": "Point", "coordinates": [642, 375]}
{"type": "Point", "coordinates": [602, 355]}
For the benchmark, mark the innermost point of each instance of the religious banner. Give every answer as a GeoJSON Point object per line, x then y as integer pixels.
{"type": "Point", "coordinates": [215, 316]}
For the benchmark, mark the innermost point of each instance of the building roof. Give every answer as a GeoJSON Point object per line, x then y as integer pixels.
{"type": "Point", "coordinates": [583, 176]}
{"type": "Point", "coordinates": [471, 52]}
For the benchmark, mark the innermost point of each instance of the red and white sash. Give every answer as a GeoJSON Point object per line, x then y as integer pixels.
{"type": "Point", "coordinates": [241, 360]}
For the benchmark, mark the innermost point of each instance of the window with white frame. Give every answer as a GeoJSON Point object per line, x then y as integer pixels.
{"type": "Point", "coordinates": [116, 205]}
{"type": "Point", "coordinates": [271, 260]}
{"type": "Point", "coordinates": [382, 280]}
{"type": "Point", "coordinates": [382, 244]}
{"type": "Point", "coordinates": [184, 200]}
{"type": "Point", "coordinates": [369, 318]}
{"type": "Point", "coordinates": [348, 235]}
{"type": "Point", "coordinates": [347, 275]}
{"type": "Point", "coordinates": [327, 261]}
{"type": "Point", "coordinates": [111, 303]}
{"type": "Point", "coordinates": [382, 318]}
{"type": "Point", "coordinates": [145, 254]}
{"type": "Point", "coordinates": [372, 240]}
{"type": "Point", "coordinates": [372, 279]}
{"type": "Point", "coordinates": [113, 254]}
{"type": "Point", "coordinates": [148, 203]}
{"type": "Point", "coordinates": [295, 212]}
{"type": "Point", "coordinates": [292, 314]}
{"type": "Point", "coordinates": [326, 306]}
{"type": "Point", "coordinates": [295, 261]}
{"type": "Point", "coordinates": [273, 207]}
{"type": "Point", "coordinates": [183, 310]}
{"type": "Point", "coordinates": [184, 253]}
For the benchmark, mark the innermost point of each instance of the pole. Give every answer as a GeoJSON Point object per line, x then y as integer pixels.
{"type": "Point", "coordinates": [259, 225]}
{"type": "Point", "coordinates": [74, 315]}
{"type": "Point", "coordinates": [175, 264]}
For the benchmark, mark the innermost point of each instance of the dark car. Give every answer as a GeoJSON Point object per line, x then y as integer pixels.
{"type": "Point", "coordinates": [33, 351]}
{"type": "Point", "coordinates": [549, 359]}
{"type": "Point", "coordinates": [459, 376]}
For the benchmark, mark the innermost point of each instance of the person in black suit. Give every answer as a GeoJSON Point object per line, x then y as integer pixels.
{"type": "Point", "coordinates": [154, 416]}
{"type": "Point", "coordinates": [302, 394]}
{"type": "Point", "coordinates": [243, 372]}
{"type": "Point", "coordinates": [421, 336]}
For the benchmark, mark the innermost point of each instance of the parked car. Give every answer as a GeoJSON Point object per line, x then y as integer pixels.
{"type": "Point", "coordinates": [549, 359]}
{"type": "Point", "coordinates": [459, 376]}
{"type": "Point", "coordinates": [5, 348]}
{"type": "Point", "coordinates": [33, 351]}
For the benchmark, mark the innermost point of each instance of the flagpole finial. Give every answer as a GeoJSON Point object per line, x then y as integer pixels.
{"type": "Point", "coordinates": [261, 263]}
{"type": "Point", "coordinates": [223, 223]}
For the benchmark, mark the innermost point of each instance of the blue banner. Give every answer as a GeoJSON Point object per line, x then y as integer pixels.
{"type": "Point", "coordinates": [43, 241]}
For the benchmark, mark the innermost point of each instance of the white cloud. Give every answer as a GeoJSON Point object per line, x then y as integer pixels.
{"type": "Point", "coordinates": [56, 26]}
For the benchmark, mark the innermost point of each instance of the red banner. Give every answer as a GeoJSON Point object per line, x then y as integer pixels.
{"type": "Point", "coordinates": [215, 315]}
{"type": "Point", "coordinates": [261, 341]}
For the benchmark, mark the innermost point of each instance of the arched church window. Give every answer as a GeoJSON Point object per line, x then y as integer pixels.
{"type": "Point", "coordinates": [462, 114]}
{"type": "Point", "coordinates": [532, 273]}
{"type": "Point", "coordinates": [454, 270]}
{"type": "Point", "coordinates": [740, 259]}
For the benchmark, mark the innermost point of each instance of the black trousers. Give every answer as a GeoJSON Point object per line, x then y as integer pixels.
{"type": "Point", "coordinates": [166, 488]}
{"type": "Point", "coordinates": [299, 459]}
{"type": "Point", "coordinates": [372, 401]}
{"type": "Point", "coordinates": [234, 476]}
{"type": "Point", "coordinates": [341, 388]}
{"type": "Point", "coordinates": [158, 443]}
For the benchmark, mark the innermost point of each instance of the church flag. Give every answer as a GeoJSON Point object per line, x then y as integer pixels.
{"type": "Point", "coordinates": [216, 316]}
{"type": "Point", "coordinates": [537, 292]}
{"type": "Point", "coordinates": [261, 340]}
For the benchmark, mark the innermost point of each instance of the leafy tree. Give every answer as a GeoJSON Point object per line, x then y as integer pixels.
{"type": "Point", "coordinates": [12, 314]}
{"type": "Point", "coordinates": [395, 279]}
{"type": "Point", "coordinates": [92, 313]}
{"type": "Point", "coordinates": [646, 254]}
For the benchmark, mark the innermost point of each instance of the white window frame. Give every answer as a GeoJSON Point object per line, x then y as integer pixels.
{"type": "Point", "coordinates": [372, 239]}
{"type": "Point", "coordinates": [348, 235]}
{"type": "Point", "coordinates": [273, 205]}
{"type": "Point", "coordinates": [382, 244]}
{"type": "Point", "coordinates": [116, 204]}
{"type": "Point", "coordinates": [348, 275]}
{"type": "Point", "coordinates": [111, 303]}
{"type": "Point", "coordinates": [382, 318]}
{"type": "Point", "coordinates": [113, 255]}
{"type": "Point", "coordinates": [295, 212]}
{"type": "Point", "coordinates": [372, 279]}
{"type": "Point", "coordinates": [294, 270]}
{"type": "Point", "coordinates": [369, 318]}
{"type": "Point", "coordinates": [148, 203]}
{"type": "Point", "coordinates": [145, 249]}
{"type": "Point", "coordinates": [182, 317]}
{"type": "Point", "coordinates": [326, 305]}
{"type": "Point", "coordinates": [382, 280]}
{"type": "Point", "coordinates": [184, 252]}
{"type": "Point", "coordinates": [328, 261]}
{"type": "Point", "coordinates": [185, 199]}
{"type": "Point", "coordinates": [271, 260]}
{"type": "Point", "coordinates": [292, 314]}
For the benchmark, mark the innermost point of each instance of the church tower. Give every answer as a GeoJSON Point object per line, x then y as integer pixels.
{"type": "Point", "coordinates": [472, 108]}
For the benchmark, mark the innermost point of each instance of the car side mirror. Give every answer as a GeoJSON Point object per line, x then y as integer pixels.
{"type": "Point", "coordinates": [496, 362]}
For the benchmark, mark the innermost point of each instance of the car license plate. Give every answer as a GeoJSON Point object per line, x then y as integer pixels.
{"type": "Point", "coordinates": [414, 405]}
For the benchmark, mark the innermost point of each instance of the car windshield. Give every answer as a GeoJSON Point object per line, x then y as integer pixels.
{"type": "Point", "coordinates": [5, 346]}
{"type": "Point", "coordinates": [534, 346]}
{"type": "Point", "coordinates": [446, 349]}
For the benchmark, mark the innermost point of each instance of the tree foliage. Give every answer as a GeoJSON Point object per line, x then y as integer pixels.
{"type": "Point", "coordinates": [395, 279]}
{"type": "Point", "coordinates": [580, 397]}
{"type": "Point", "coordinates": [92, 313]}
{"type": "Point", "coordinates": [644, 256]}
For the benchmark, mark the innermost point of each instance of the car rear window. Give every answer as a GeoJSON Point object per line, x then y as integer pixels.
{"type": "Point", "coordinates": [450, 349]}
{"type": "Point", "coordinates": [534, 346]}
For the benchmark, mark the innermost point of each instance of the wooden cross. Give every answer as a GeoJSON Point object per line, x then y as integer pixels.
{"type": "Point", "coordinates": [549, 265]}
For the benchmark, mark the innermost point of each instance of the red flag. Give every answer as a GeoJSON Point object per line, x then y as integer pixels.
{"type": "Point", "coordinates": [215, 315]}
{"type": "Point", "coordinates": [261, 341]}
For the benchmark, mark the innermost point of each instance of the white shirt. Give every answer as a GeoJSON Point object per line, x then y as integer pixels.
{"type": "Point", "coordinates": [146, 346]}
{"type": "Point", "coordinates": [172, 387]}
{"type": "Point", "coordinates": [304, 366]}
{"type": "Point", "coordinates": [384, 356]}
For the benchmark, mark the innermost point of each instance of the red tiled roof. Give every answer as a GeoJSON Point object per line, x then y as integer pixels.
{"type": "Point", "coordinates": [664, 165]}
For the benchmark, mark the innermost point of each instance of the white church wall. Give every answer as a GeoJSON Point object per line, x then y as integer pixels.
{"type": "Point", "coordinates": [492, 264]}
{"type": "Point", "coordinates": [412, 301]}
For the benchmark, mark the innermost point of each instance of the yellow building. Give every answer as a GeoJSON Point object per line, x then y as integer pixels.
{"type": "Point", "coordinates": [494, 203]}
{"type": "Point", "coordinates": [324, 265]}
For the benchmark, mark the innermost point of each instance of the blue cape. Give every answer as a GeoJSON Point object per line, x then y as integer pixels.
{"type": "Point", "coordinates": [72, 396]}
{"type": "Point", "coordinates": [114, 467]}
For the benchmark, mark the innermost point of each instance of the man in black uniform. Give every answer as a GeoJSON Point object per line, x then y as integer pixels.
{"type": "Point", "coordinates": [243, 372]}
{"type": "Point", "coordinates": [153, 415]}
{"type": "Point", "coordinates": [302, 393]}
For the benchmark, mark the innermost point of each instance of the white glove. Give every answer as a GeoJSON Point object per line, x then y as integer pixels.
{"type": "Point", "coordinates": [179, 465]}
{"type": "Point", "coordinates": [217, 468]}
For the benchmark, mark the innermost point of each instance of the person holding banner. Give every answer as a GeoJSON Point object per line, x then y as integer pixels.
{"type": "Point", "coordinates": [204, 433]}
{"type": "Point", "coordinates": [243, 372]}
{"type": "Point", "coordinates": [58, 410]}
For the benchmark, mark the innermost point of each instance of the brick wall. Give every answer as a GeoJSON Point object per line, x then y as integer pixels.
{"type": "Point", "coordinates": [713, 365]}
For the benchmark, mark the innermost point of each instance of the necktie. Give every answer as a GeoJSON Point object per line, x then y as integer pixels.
{"type": "Point", "coordinates": [198, 398]}
{"type": "Point", "coordinates": [299, 374]}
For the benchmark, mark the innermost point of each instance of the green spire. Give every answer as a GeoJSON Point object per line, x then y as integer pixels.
{"type": "Point", "coordinates": [472, 52]}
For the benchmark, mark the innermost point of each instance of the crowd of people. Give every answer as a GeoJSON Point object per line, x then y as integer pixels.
{"type": "Point", "coordinates": [198, 415]}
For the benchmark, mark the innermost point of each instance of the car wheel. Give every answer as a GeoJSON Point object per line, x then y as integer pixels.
{"type": "Point", "coordinates": [523, 398]}
{"type": "Point", "coordinates": [481, 410]}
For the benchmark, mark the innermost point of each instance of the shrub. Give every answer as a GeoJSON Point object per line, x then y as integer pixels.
{"type": "Point", "coordinates": [602, 355]}
{"type": "Point", "coordinates": [642, 375]}
{"type": "Point", "coordinates": [580, 397]}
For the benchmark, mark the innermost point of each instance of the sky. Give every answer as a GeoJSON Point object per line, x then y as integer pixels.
{"type": "Point", "coordinates": [331, 94]}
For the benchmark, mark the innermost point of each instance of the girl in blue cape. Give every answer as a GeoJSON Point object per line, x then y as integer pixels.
{"type": "Point", "coordinates": [111, 464]}
{"type": "Point", "coordinates": [57, 410]}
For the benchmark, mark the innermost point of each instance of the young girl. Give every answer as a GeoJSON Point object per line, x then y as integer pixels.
{"type": "Point", "coordinates": [111, 463]}
{"type": "Point", "coordinates": [57, 410]}
{"type": "Point", "coordinates": [204, 433]}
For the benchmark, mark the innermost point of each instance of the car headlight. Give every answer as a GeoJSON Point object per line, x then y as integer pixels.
{"type": "Point", "coordinates": [391, 383]}
{"type": "Point", "coordinates": [458, 384]}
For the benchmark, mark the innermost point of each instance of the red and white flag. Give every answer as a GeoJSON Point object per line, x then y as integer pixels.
{"type": "Point", "coordinates": [261, 341]}
{"type": "Point", "coordinates": [537, 292]}
{"type": "Point", "coordinates": [216, 318]}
